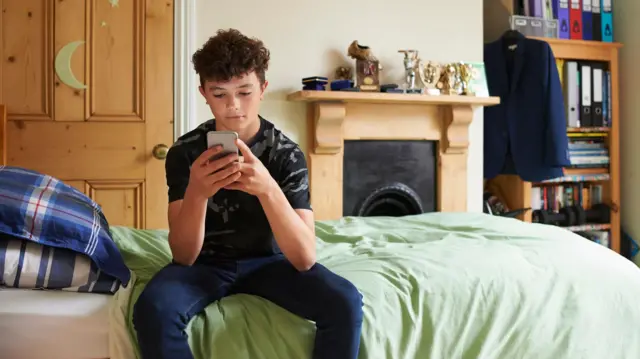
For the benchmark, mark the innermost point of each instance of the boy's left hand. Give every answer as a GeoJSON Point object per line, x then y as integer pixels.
{"type": "Point", "coordinates": [254, 179]}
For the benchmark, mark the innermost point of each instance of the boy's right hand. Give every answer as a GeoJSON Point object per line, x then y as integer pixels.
{"type": "Point", "coordinates": [203, 182]}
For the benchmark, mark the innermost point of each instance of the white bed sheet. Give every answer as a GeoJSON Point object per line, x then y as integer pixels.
{"type": "Point", "coordinates": [53, 324]}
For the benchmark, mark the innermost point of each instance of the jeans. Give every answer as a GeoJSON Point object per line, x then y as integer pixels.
{"type": "Point", "coordinates": [177, 293]}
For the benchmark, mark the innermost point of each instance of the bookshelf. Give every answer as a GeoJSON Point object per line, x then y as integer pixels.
{"type": "Point", "coordinates": [516, 193]}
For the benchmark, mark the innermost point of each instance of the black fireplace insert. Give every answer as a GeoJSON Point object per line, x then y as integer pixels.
{"type": "Point", "coordinates": [389, 178]}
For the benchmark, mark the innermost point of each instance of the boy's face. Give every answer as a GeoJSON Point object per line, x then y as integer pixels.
{"type": "Point", "coordinates": [235, 104]}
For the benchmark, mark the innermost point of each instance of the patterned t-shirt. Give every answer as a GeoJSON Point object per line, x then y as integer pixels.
{"type": "Point", "coordinates": [236, 226]}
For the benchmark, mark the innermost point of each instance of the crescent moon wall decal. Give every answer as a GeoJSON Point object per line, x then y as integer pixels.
{"type": "Point", "coordinates": [63, 65]}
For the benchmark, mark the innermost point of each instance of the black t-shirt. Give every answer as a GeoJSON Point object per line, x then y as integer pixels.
{"type": "Point", "coordinates": [236, 225]}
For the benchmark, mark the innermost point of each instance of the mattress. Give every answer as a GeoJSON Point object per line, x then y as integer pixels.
{"type": "Point", "coordinates": [437, 285]}
{"type": "Point", "coordinates": [53, 324]}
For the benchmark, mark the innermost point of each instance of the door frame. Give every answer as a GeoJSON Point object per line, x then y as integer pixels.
{"type": "Point", "coordinates": [185, 79]}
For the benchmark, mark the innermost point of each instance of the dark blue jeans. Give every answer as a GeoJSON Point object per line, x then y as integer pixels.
{"type": "Point", "coordinates": [177, 293]}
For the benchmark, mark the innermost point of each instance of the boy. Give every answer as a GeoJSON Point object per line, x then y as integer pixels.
{"type": "Point", "coordinates": [241, 225]}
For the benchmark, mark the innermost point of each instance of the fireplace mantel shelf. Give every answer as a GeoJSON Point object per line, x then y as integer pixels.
{"type": "Point", "coordinates": [336, 116]}
{"type": "Point", "coordinates": [390, 98]}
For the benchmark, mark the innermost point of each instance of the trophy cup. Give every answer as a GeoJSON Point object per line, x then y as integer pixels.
{"type": "Point", "coordinates": [367, 67]}
{"type": "Point", "coordinates": [343, 73]}
{"type": "Point", "coordinates": [410, 65]}
{"type": "Point", "coordinates": [449, 80]}
{"type": "Point", "coordinates": [466, 75]}
{"type": "Point", "coordinates": [429, 74]}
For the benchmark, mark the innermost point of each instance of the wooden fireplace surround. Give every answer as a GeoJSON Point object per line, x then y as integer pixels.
{"type": "Point", "coordinates": [335, 116]}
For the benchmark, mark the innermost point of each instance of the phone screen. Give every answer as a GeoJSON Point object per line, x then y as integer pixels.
{"type": "Point", "coordinates": [227, 139]}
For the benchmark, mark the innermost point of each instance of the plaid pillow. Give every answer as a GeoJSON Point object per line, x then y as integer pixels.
{"type": "Point", "coordinates": [26, 264]}
{"type": "Point", "coordinates": [40, 209]}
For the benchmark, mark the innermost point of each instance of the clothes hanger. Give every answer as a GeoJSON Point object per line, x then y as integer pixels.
{"type": "Point", "coordinates": [511, 38]}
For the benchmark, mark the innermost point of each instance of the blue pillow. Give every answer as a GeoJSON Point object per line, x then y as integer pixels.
{"type": "Point", "coordinates": [41, 209]}
{"type": "Point", "coordinates": [26, 264]}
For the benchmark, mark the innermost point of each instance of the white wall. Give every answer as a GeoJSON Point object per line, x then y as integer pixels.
{"type": "Point", "coordinates": [310, 38]}
{"type": "Point", "coordinates": [626, 29]}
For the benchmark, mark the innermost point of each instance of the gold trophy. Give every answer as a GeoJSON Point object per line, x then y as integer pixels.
{"type": "Point", "coordinates": [466, 75]}
{"type": "Point", "coordinates": [449, 79]}
{"type": "Point", "coordinates": [429, 75]}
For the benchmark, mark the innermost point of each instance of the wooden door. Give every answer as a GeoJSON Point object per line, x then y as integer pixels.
{"type": "Point", "coordinates": [3, 130]}
{"type": "Point", "coordinates": [88, 86]}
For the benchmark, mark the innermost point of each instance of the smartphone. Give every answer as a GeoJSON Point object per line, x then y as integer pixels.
{"type": "Point", "coordinates": [226, 139]}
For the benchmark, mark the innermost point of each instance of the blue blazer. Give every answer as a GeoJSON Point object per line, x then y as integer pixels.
{"type": "Point", "coordinates": [526, 134]}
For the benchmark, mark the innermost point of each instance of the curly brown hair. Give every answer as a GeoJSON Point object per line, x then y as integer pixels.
{"type": "Point", "coordinates": [230, 54]}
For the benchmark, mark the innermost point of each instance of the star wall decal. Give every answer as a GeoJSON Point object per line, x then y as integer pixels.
{"type": "Point", "coordinates": [114, 3]}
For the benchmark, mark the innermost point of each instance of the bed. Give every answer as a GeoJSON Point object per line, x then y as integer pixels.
{"type": "Point", "coordinates": [456, 285]}
{"type": "Point", "coordinates": [439, 285]}
{"type": "Point", "coordinates": [53, 324]}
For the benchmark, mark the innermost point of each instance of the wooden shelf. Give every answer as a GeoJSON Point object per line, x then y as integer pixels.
{"type": "Point", "coordinates": [582, 49]}
{"type": "Point", "coordinates": [585, 171]}
{"type": "Point", "coordinates": [588, 129]}
{"type": "Point", "coordinates": [579, 45]}
{"type": "Point", "coordinates": [395, 98]}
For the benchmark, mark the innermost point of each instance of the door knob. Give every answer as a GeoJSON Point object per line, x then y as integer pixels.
{"type": "Point", "coordinates": [160, 151]}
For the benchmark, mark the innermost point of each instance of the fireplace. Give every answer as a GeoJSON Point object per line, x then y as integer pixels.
{"type": "Point", "coordinates": [339, 120]}
{"type": "Point", "coordinates": [389, 178]}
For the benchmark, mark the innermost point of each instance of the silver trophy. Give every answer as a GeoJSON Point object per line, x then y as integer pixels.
{"type": "Point", "coordinates": [410, 66]}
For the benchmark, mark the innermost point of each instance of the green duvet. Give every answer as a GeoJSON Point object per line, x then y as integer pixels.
{"type": "Point", "coordinates": [437, 285]}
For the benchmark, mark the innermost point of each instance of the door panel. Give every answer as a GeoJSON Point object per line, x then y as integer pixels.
{"type": "Point", "coordinates": [117, 70]}
{"type": "Point", "coordinates": [70, 27]}
{"type": "Point", "coordinates": [78, 150]}
{"type": "Point", "coordinates": [27, 53]}
{"type": "Point", "coordinates": [121, 201]}
{"type": "Point", "coordinates": [88, 102]}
